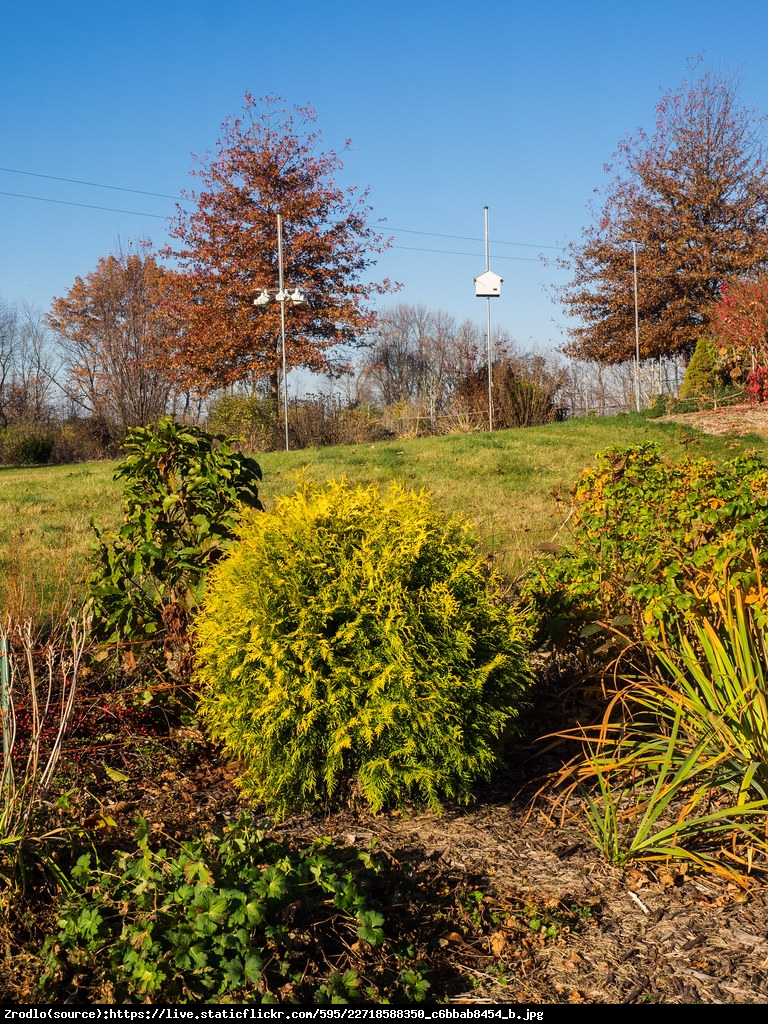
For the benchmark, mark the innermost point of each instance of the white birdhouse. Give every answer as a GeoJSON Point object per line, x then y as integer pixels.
{"type": "Point", "coordinates": [488, 285]}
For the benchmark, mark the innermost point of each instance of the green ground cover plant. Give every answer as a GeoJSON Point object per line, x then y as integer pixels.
{"type": "Point", "coordinates": [229, 917]}
{"type": "Point", "coordinates": [355, 644]}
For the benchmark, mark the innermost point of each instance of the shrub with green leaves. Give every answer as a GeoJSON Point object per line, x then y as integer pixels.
{"type": "Point", "coordinates": [653, 541]}
{"type": "Point", "coordinates": [355, 646]}
{"type": "Point", "coordinates": [26, 444]}
{"type": "Point", "coordinates": [248, 416]}
{"type": "Point", "coordinates": [184, 489]}
{"type": "Point", "coordinates": [226, 918]}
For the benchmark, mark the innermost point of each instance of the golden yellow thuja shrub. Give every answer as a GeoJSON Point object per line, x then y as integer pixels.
{"type": "Point", "coordinates": [355, 646]}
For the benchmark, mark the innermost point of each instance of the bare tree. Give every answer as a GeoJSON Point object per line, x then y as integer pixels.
{"type": "Point", "coordinates": [415, 359]}
{"type": "Point", "coordinates": [8, 343]}
{"type": "Point", "coordinates": [27, 369]}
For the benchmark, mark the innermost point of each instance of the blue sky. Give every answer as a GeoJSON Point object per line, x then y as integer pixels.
{"type": "Point", "coordinates": [450, 106]}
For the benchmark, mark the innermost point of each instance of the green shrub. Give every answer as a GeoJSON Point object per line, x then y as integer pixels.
{"type": "Point", "coordinates": [84, 440]}
{"type": "Point", "coordinates": [653, 540]}
{"type": "Point", "coordinates": [658, 408]}
{"type": "Point", "coordinates": [181, 504]}
{"type": "Point", "coordinates": [224, 919]}
{"type": "Point", "coordinates": [523, 403]}
{"type": "Point", "coordinates": [355, 646]}
{"type": "Point", "coordinates": [25, 444]}
{"type": "Point", "coordinates": [248, 416]}
{"type": "Point", "coordinates": [518, 400]}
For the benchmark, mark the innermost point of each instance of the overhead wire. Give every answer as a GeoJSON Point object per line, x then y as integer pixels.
{"type": "Point", "coordinates": [85, 206]}
{"type": "Point", "coordinates": [162, 195]}
{"type": "Point", "coordinates": [91, 184]}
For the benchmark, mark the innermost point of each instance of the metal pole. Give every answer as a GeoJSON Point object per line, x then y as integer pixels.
{"type": "Point", "coordinates": [637, 332]}
{"type": "Point", "coordinates": [490, 357]}
{"type": "Point", "coordinates": [281, 284]}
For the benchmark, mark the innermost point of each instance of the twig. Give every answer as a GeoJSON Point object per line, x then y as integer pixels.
{"type": "Point", "coordinates": [638, 901]}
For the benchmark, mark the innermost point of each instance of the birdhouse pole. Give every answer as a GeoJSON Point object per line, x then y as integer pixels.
{"type": "Point", "coordinates": [488, 307]}
{"type": "Point", "coordinates": [488, 286]}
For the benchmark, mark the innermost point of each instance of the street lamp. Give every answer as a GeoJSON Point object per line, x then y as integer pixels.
{"type": "Point", "coordinates": [297, 298]}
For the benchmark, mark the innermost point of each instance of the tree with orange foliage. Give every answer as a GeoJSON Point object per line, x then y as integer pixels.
{"type": "Point", "coordinates": [114, 340]}
{"type": "Point", "coordinates": [268, 162]}
{"type": "Point", "coordinates": [694, 199]}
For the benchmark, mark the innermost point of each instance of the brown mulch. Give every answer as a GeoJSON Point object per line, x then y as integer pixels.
{"type": "Point", "coordinates": [656, 934]}
{"type": "Point", "coordinates": [731, 419]}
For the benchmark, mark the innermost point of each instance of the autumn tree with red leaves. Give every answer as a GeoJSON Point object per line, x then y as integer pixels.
{"type": "Point", "coordinates": [740, 320]}
{"type": "Point", "coordinates": [267, 162]}
{"type": "Point", "coordinates": [694, 199]}
{"type": "Point", "coordinates": [740, 333]}
{"type": "Point", "coordinates": [114, 339]}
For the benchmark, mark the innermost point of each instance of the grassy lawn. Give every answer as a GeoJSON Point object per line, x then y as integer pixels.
{"type": "Point", "coordinates": [45, 514]}
{"type": "Point", "coordinates": [503, 482]}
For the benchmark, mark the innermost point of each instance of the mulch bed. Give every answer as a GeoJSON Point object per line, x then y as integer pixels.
{"type": "Point", "coordinates": [479, 876]}
{"type": "Point", "coordinates": [731, 419]}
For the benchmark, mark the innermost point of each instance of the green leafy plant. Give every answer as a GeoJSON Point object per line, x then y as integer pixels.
{"type": "Point", "coordinates": [355, 646]}
{"type": "Point", "coordinates": [652, 542]}
{"type": "Point", "coordinates": [225, 918]}
{"type": "Point", "coordinates": [182, 499]}
{"type": "Point", "coordinates": [715, 676]}
{"type": "Point", "coordinates": [658, 407]}
{"type": "Point", "coordinates": [25, 444]}
{"type": "Point", "coordinates": [554, 921]}
{"type": "Point", "coordinates": [248, 416]}
{"type": "Point", "coordinates": [666, 813]}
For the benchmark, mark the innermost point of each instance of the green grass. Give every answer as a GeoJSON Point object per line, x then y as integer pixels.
{"type": "Point", "coordinates": [503, 482]}
{"type": "Point", "coordinates": [45, 515]}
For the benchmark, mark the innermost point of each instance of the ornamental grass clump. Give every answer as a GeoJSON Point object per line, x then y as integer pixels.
{"type": "Point", "coordinates": [355, 646]}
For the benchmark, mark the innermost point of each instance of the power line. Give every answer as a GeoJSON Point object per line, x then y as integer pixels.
{"type": "Point", "coordinates": [453, 252]}
{"type": "Point", "coordinates": [91, 184]}
{"type": "Point", "coordinates": [466, 238]}
{"type": "Point", "coordinates": [180, 199]}
{"type": "Point", "coordinates": [85, 206]}
{"type": "Point", "coordinates": [409, 248]}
